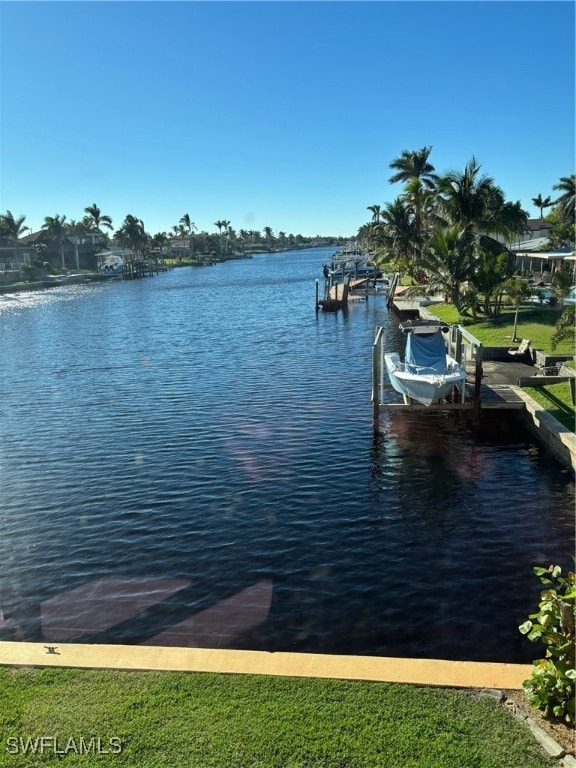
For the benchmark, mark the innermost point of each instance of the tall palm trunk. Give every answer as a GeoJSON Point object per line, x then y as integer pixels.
{"type": "Point", "coordinates": [76, 252]}
{"type": "Point", "coordinates": [17, 258]}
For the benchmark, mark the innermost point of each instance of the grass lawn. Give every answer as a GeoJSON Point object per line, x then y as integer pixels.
{"type": "Point", "coordinates": [199, 720]}
{"type": "Point", "coordinates": [556, 399]}
{"type": "Point", "coordinates": [534, 322]}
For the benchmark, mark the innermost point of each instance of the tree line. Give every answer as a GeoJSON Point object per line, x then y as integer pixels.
{"type": "Point", "coordinates": [132, 235]}
{"type": "Point", "coordinates": [454, 230]}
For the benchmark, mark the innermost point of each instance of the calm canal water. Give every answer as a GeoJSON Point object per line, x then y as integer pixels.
{"type": "Point", "coordinates": [198, 447]}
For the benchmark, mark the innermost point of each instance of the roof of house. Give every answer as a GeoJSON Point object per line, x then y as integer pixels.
{"type": "Point", "coordinates": [35, 237]}
{"type": "Point", "coordinates": [535, 224]}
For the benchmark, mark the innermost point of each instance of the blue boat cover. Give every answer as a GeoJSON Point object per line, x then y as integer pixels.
{"type": "Point", "coordinates": [426, 350]}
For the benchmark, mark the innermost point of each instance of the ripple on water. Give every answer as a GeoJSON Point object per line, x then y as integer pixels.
{"type": "Point", "coordinates": [208, 427]}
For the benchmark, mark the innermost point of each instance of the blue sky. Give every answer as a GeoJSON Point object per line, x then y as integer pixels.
{"type": "Point", "coordinates": [280, 114]}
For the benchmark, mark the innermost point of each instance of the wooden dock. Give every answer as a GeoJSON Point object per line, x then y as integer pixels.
{"type": "Point", "coordinates": [132, 270]}
{"type": "Point", "coordinates": [492, 397]}
{"type": "Point", "coordinates": [336, 291]}
{"type": "Point", "coordinates": [501, 396]}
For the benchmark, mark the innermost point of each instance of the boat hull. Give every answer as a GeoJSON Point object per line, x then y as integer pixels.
{"type": "Point", "coordinates": [425, 387]}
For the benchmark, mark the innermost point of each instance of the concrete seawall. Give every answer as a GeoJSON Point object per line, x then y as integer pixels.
{"type": "Point", "coordinates": [557, 439]}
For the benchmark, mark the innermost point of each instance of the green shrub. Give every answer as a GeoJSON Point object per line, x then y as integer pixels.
{"type": "Point", "coordinates": [551, 687]}
{"type": "Point", "coordinates": [564, 327]}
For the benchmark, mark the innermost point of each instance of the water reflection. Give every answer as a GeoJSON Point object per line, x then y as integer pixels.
{"type": "Point", "coordinates": [134, 608]}
{"type": "Point", "coordinates": [205, 471]}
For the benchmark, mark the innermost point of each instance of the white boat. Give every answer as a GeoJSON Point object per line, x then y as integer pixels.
{"type": "Point", "coordinates": [428, 373]}
{"type": "Point", "coordinates": [112, 265]}
{"type": "Point", "coordinates": [350, 260]}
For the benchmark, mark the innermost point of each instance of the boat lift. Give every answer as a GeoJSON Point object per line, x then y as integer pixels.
{"type": "Point", "coordinates": [461, 345]}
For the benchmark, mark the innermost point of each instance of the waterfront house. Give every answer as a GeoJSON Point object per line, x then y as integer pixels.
{"type": "Point", "coordinates": [46, 248]}
{"type": "Point", "coordinates": [13, 256]}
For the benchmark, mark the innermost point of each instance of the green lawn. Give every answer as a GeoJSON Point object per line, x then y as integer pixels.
{"type": "Point", "coordinates": [556, 399]}
{"type": "Point", "coordinates": [198, 720]}
{"type": "Point", "coordinates": [535, 323]}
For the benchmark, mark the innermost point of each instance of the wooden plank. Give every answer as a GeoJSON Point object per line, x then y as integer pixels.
{"type": "Point", "coordinates": [490, 405]}
{"type": "Point", "coordinates": [496, 397]}
{"type": "Point", "coordinates": [421, 407]}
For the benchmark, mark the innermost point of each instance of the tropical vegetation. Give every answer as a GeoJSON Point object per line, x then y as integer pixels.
{"type": "Point", "coordinates": [61, 237]}
{"type": "Point", "coordinates": [564, 327]}
{"type": "Point", "coordinates": [552, 686]}
{"type": "Point", "coordinates": [13, 228]}
{"type": "Point", "coordinates": [454, 231]}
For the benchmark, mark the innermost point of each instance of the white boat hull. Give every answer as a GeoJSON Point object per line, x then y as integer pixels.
{"type": "Point", "coordinates": [425, 385]}
{"type": "Point", "coordinates": [112, 266]}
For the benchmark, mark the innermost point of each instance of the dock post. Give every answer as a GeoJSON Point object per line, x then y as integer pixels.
{"type": "Point", "coordinates": [345, 288]}
{"type": "Point", "coordinates": [477, 384]}
{"type": "Point", "coordinates": [317, 304]}
{"type": "Point", "coordinates": [458, 345]}
{"type": "Point", "coordinates": [377, 354]}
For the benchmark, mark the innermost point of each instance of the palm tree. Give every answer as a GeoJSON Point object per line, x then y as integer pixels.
{"type": "Point", "coordinates": [448, 263]}
{"type": "Point", "coordinates": [189, 227]}
{"type": "Point", "coordinates": [562, 281]}
{"type": "Point", "coordinates": [268, 235]}
{"type": "Point", "coordinates": [465, 197]}
{"type": "Point", "coordinates": [518, 290]}
{"type": "Point", "coordinates": [220, 224]}
{"type": "Point", "coordinates": [160, 241]}
{"type": "Point", "coordinates": [417, 173]}
{"type": "Point", "coordinates": [227, 230]}
{"type": "Point", "coordinates": [567, 200]}
{"type": "Point", "coordinates": [413, 165]}
{"type": "Point", "coordinates": [541, 203]}
{"type": "Point", "coordinates": [76, 229]}
{"type": "Point", "coordinates": [376, 213]}
{"type": "Point", "coordinates": [132, 234]}
{"type": "Point", "coordinates": [96, 219]}
{"type": "Point", "coordinates": [564, 327]}
{"type": "Point", "coordinates": [13, 229]}
{"type": "Point", "coordinates": [491, 269]}
{"type": "Point", "coordinates": [421, 199]}
{"type": "Point", "coordinates": [55, 227]}
{"type": "Point", "coordinates": [396, 233]}
{"type": "Point", "coordinates": [477, 206]}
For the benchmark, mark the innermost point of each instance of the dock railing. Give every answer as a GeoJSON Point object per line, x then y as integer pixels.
{"type": "Point", "coordinates": [466, 348]}
{"type": "Point", "coordinates": [378, 371]}
{"type": "Point", "coordinates": [392, 289]}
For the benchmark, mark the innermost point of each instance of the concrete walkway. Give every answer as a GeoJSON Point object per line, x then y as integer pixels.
{"type": "Point", "coordinates": [431, 672]}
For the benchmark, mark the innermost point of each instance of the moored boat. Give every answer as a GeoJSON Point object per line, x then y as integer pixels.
{"type": "Point", "coordinates": [428, 374]}
{"type": "Point", "coordinates": [351, 261]}
{"type": "Point", "coordinates": [112, 265]}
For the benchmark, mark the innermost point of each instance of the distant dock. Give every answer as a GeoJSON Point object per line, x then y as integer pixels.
{"type": "Point", "coordinates": [135, 269]}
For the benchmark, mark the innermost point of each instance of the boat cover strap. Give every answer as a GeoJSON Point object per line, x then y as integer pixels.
{"type": "Point", "coordinates": [426, 350]}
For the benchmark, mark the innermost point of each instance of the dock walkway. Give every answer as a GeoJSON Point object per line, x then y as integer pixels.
{"type": "Point", "coordinates": [336, 291]}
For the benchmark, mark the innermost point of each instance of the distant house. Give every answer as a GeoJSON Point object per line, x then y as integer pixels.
{"type": "Point", "coordinates": [545, 261]}
{"type": "Point", "coordinates": [46, 248]}
{"type": "Point", "coordinates": [532, 249]}
{"type": "Point", "coordinates": [12, 257]}
{"type": "Point", "coordinates": [180, 247]}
